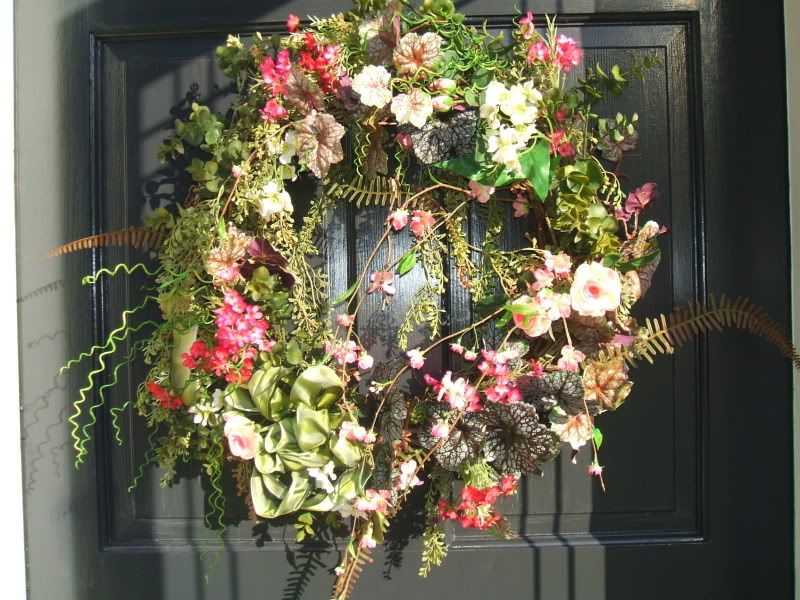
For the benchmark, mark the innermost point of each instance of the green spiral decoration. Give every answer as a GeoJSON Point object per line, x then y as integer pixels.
{"type": "Point", "coordinates": [91, 279]}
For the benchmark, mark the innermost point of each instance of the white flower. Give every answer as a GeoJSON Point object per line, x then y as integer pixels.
{"type": "Point", "coordinates": [496, 93]}
{"type": "Point", "coordinates": [324, 476]}
{"type": "Point", "coordinates": [595, 289]}
{"type": "Point", "coordinates": [408, 476]}
{"type": "Point", "coordinates": [516, 107]}
{"type": "Point", "coordinates": [504, 145]}
{"type": "Point", "coordinates": [289, 148]}
{"type": "Point", "coordinates": [274, 200]}
{"type": "Point", "coordinates": [414, 107]}
{"type": "Point", "coordinates": [490, 114]}
{"type": "Point", "coordinates": [372, 85]}
{"type": "Point", "coordinates": [204, 411]}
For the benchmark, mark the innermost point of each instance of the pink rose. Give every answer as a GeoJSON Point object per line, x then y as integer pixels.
{"type": "Point", "coordinates": [595, 290]}
{"type": "Point", "coordinates": [244, 440]}
{"type": "Point", "coordinates": [535, 324]}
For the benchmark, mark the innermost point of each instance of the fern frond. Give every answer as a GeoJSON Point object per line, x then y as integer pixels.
{"type": "Point", "coordinates": [352, 571]}
{"type": "Point", "coordinates": [137, 237]}
{"type": "Point", "coordinates": [665, 333]}
{"type": "Point", "coordinates": [368, 191]}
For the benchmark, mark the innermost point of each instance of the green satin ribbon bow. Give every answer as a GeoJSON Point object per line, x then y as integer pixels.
{"type": "Point", "coordinates": [302, 437]}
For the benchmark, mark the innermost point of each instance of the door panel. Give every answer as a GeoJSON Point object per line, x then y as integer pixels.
{"type": "Point", "coordinates": [693, 495]}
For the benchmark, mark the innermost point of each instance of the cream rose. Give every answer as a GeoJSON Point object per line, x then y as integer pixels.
{"type": "Point", "coordinates": [243, 437]}
{"type": "Point", "coordinates": [535, 324]}
{"type": "Point", "coordinates": [595, 290]}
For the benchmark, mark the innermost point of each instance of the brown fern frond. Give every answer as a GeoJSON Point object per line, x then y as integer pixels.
{"type": "Point", "coordinates": [346, 582]}
{"type": "Point", "coordinates": [663, 334]}
{"type": "Point", "coordinates": [138, 237]}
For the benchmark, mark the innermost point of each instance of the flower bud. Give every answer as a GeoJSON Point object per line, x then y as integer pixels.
{"type": "Point", "coordinates": [444, 85]}
{"type": "Point", "coordinates": [442, 103]}
{"type": "Point", "coordinates": [404, 140]}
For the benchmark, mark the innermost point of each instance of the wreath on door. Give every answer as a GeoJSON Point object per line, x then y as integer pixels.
{"type": "Point", "coordinates": [438, 121]}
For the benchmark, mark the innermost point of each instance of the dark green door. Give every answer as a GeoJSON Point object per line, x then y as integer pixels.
{"type": "Point", "coordinates": [699, 502]}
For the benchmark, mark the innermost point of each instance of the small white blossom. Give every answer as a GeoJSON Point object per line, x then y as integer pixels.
{"type": "Point", "coordinates": [205, 412]}
{"type": "Point", "coordinates": [324, 476]}
{"type": "Point", "coordinates": [274, 200]}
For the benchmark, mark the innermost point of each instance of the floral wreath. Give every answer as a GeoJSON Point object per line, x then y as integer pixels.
{"type": "Point", "coordinates": [414, 110]}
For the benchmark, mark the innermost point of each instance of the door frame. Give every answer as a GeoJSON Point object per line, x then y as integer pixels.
{"type": "Point", "coordinates": [13, 570]}
{"type": "Point", "coordinates": [791, 15]}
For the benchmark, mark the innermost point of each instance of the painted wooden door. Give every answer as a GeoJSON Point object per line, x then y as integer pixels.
{"type": "Point", "coordinates": [699, 467]}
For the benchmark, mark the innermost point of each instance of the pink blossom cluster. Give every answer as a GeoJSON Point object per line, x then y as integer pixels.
{"type": "Point", "coordinates": [476, 508]}
{"type": "Point", "coordinates": [421, 222]}
{"type": "Point", "coordinates": [348, 353]}
{"type": "Point", "coordinates": [503, 388]}
{"type": "Point", "coordinates": [567, 53]}
{"type": "Point", "coordinates": [458, 393]}
{"type": "Point", "coordinates": [407, 476]}
{"type": "Point", "coordinates": [241, 331]}
{"type": "Point", "coordinates": [559, 144]}
{"type": "Point", "coordinates": [546, 303]}
{"type": "Point", "coordinates": [321, 60]}
{"type": "Point", "coordinates": [354, 432]}
{"type": "Point", "coordinates": [373, 501]}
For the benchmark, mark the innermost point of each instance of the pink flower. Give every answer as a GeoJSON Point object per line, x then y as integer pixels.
{"type": "Point", "coordinates": [561, 114]}
{"type": "Point", "coordinates": [399, 219]}
{"type": "Point", "coordinates": [503, 393]}
{"type": "Point", "coordinates": [595, 469]}
{"type": "Point", "coordinates": [544, 278]}
{"type": "Point", "coordinates": [526, 26]}
{"type": "Point", "coordinates": [421, 222]}
{"type": "Point", "coordinates": [373, 501]}
{"type": "Point", "coordinates": [292, 23]}
{"type": "Point", "coordinates": [408, 476]}
{"type": "Point", "coordinates": [534, 320]}
{"type": "Point", "coordinates": [457, 348]}
{"type": "Point", "coordinates": [595, 289]}
{"type": "Point", "coordinates": [236, 171]}
{"type": "Point", "coordinates": [404, 140]}
{"type": "Point", "coordinates": [345, 320]}
{"type": "Point", "coordinates": [345, 353]}
{"type": "Point", "coordinates": [244, 440]}
{"type": "Point", "coordinates": [367, 541]}
{"type": "Point", "coordinates": [539, 51]}
{"type": "Point", "coordinates": [365, 361]}
{"type": "Point", "coordinates": [415, 358]}
{"type": "Point", "coordinates": [570, 358]}
{"type": "Point", "coordinates": [273, 112]}
{"type": "Point", "coordinates": [458, 394]}
{"type": "Point", "coordinates": [568, 54]}
{"type": "Point", "coordinates": [624, 340]}
{"type": "Point", "coordinates": [537, 369]}
{"type": "Point", "coordinates": [382, 280]}
{"type": "Point", "coordinates": [560, 264]}
{"type": "Point", "coordinates": [508, 484]}
{"type": "Point", "coordinates": [470, 355]}
{"type": "Point", "coordinates": [557, 306]}
{"type": "Point", "coordinates": [480, 192]}
{"type": "Point", "coordinates": [440, 430]}
{"type": "Point", "coordinates": [521, 206]}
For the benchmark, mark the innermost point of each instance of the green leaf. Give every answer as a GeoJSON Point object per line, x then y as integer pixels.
{"type": "Point", "coordinates": [611, 259]}
{"type": "Point", "coordinates": [597, 436]}
{"type": "Point", "coordinates": [346, 296]}
{"type": "Point", "coordinates": [407, 263]}
{"type": "Point", "coordinates": [306, 518]}
{"type": "Point", "coordinates": [294, 356]}
{"type": "Point", "coordinates": [471, 98]}
{"type": "Point", "coordinates": [466, 166]}
{"type": "Point", "coordinates": [535, 164]}
{"type": "Point", "coordinates": [521, 309]}
{"type": "Point", "coordinates": [639, 262]}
